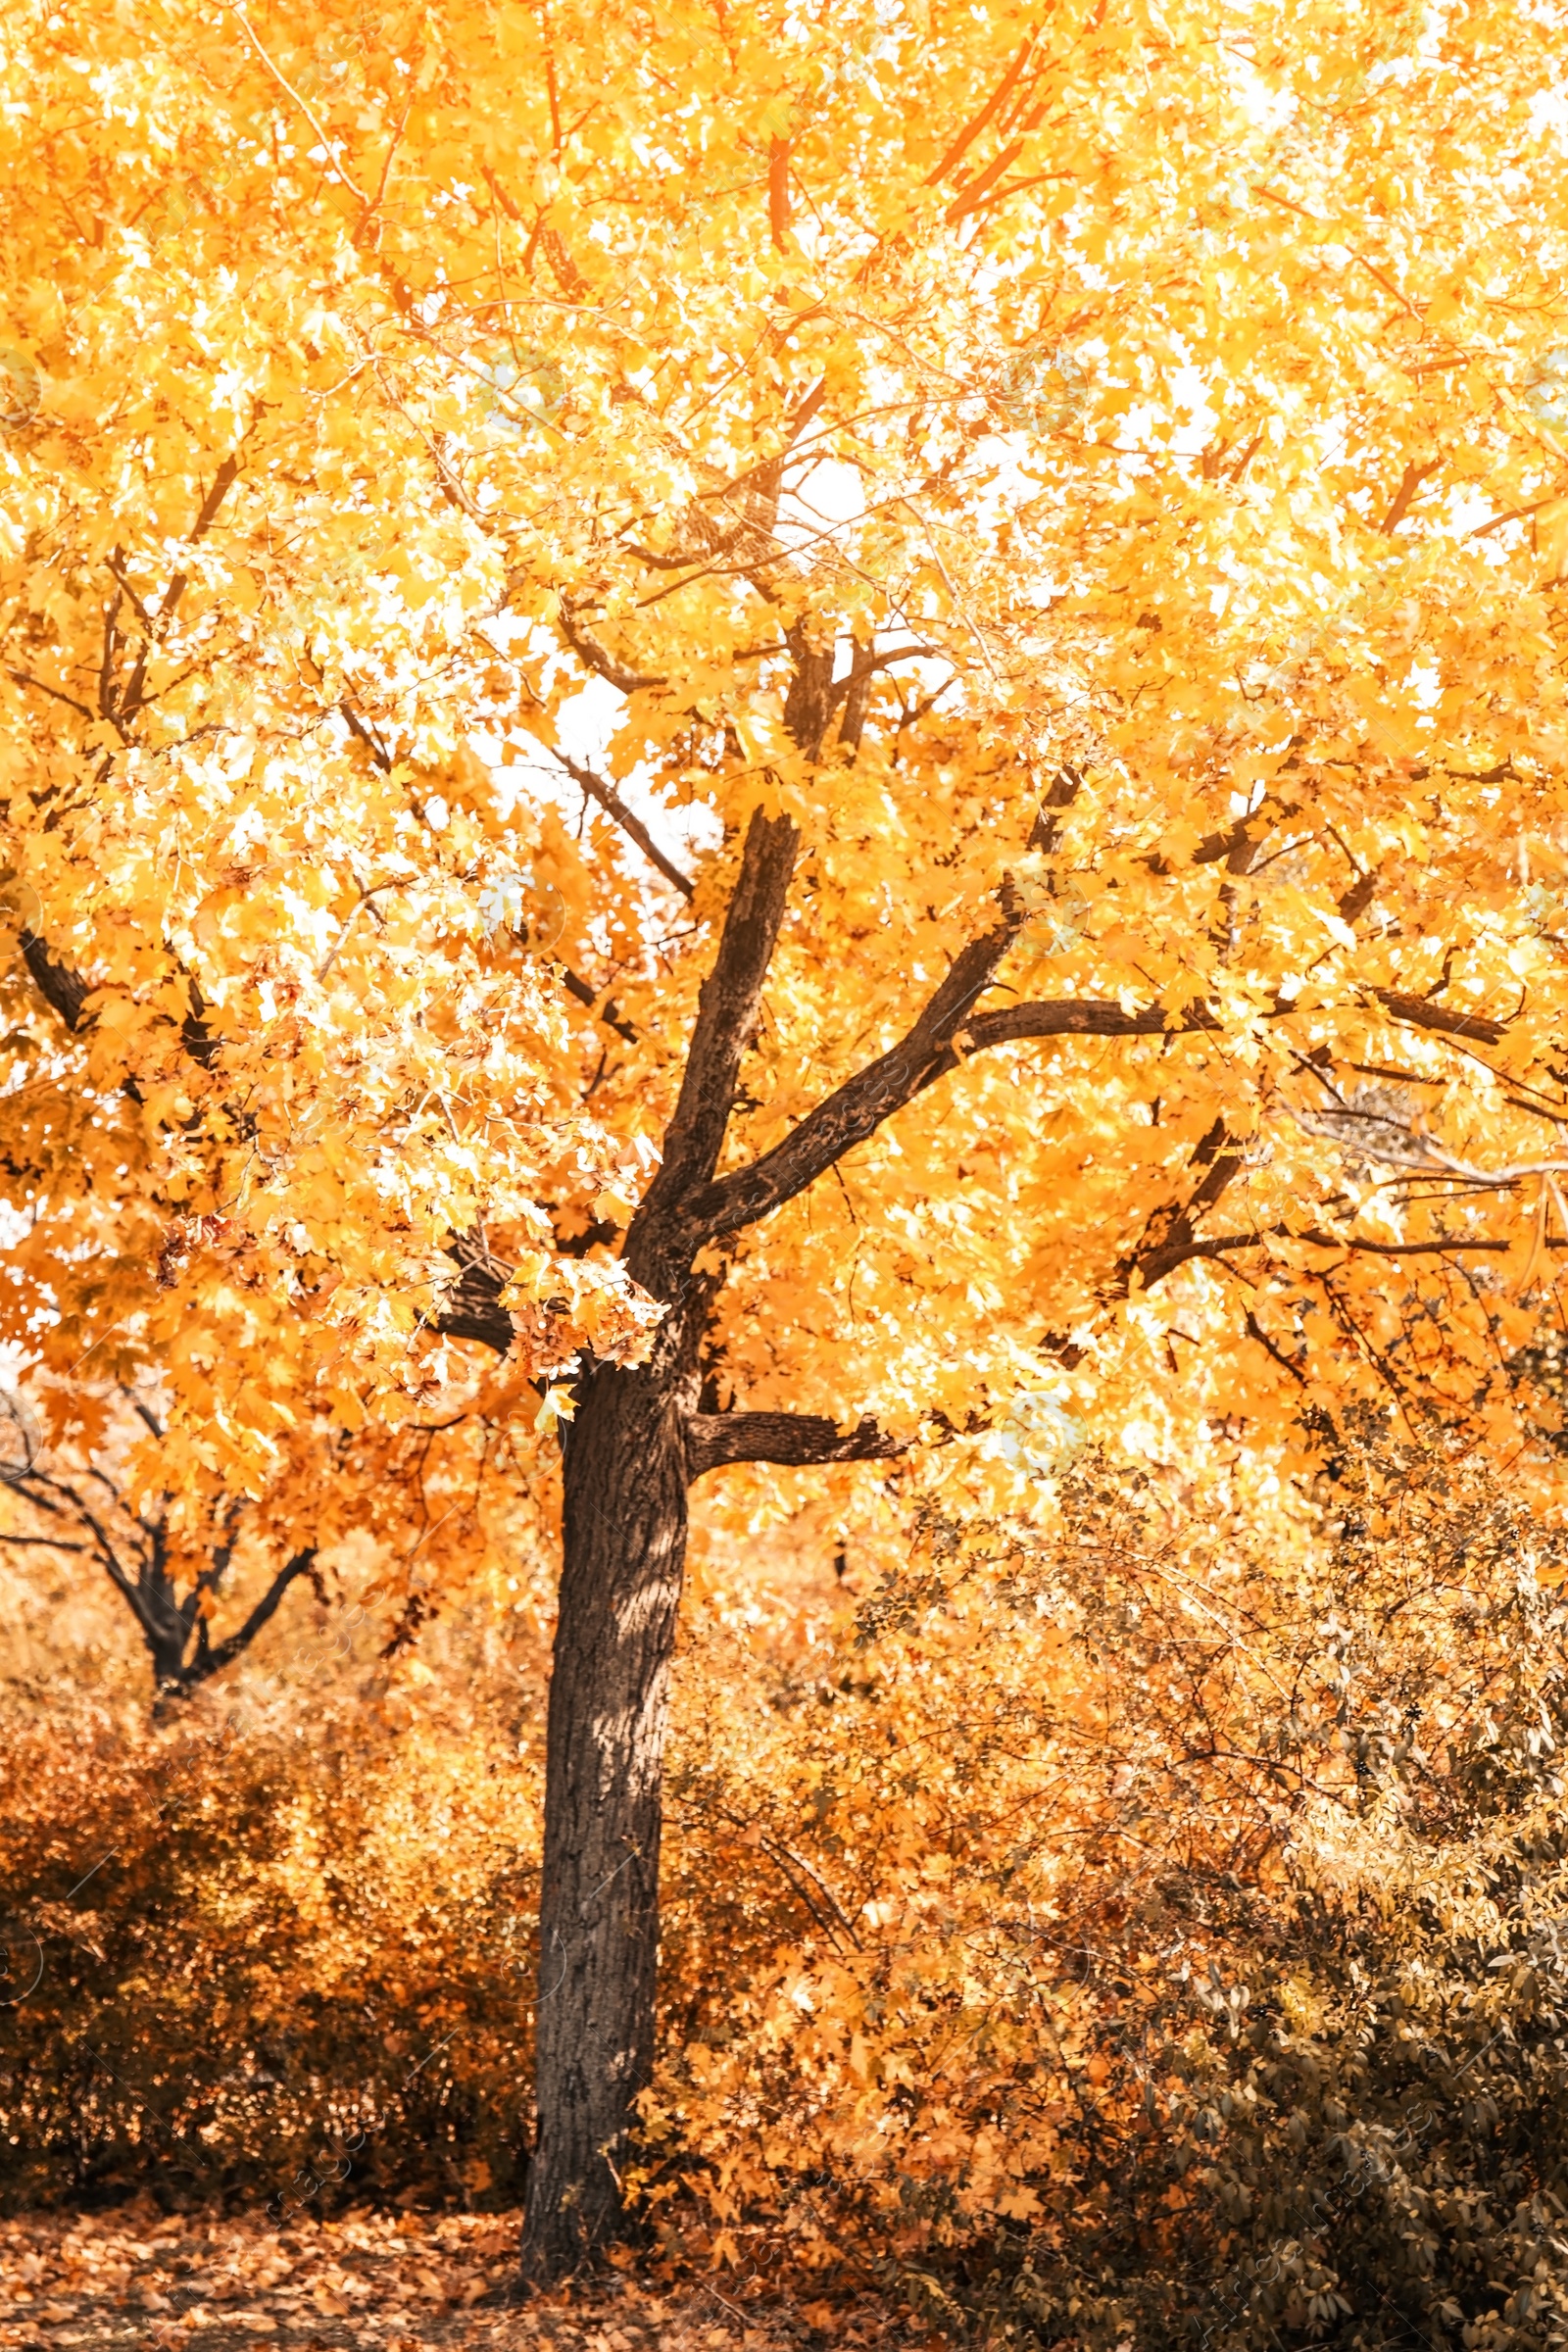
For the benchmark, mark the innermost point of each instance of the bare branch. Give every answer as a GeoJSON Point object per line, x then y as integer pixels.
{"type": "Point", "coordinates": [576, 986]}
{"type": "Point", "coordinates": [21, 677]}
{"type": "Point", "coordinates": [866, 665]}
{"type": "Point", "coordinates": [1438, 1248]}
{"type": "Point", "coordinates": [987, 113]}
{"type": "Point", "coordinates": [793, 1438]}
{"type": "Point", "coordinates": [224, 1653]}
{"type": "Point", "coordinates": [222, 482]}
{"type": "Point", "coordinates": [1225, 1244]}
{"type": "Point", "coordinates": [324, 138]}
{"type": "Point", "coordinates": [599, 789]}
{"type": "Point", "coordinates": [355, 726]}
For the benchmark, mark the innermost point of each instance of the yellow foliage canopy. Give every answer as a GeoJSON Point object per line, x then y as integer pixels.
{"type": "Point", "coordinates": [458, 465]}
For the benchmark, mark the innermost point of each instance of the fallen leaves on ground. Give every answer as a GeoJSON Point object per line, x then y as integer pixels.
{"type": "Point", "coordinates": [135, 2277]}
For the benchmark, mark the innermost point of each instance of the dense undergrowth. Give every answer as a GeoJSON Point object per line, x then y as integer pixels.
{"type": "Point", "coordinates": [1116, 1930]}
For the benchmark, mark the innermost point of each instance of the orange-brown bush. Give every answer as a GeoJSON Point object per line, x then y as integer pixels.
{"type": "Point", "coordinates": [292, 1957]}
{"type": "Point", "coordinates": [1177, 1936]}
{"type": "Point", "coordinates": [1099, 1930]}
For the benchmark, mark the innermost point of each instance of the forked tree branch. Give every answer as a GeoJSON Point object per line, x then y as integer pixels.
{"type": "Point", "coordinates": [1170, 1237]}
{"type": "Point", "coordinates": [928, 1052]}
{"type": "Point", "coordinates": [224, 1653]}
{"type": "Point", "coordinates": [856, 1108]}
{"type": "Point", "coordinates": [222, 482]}
{"type": "Point", "coordinates": [942, 1038]}
{"type": "Point", "coordinates": [596, 657]}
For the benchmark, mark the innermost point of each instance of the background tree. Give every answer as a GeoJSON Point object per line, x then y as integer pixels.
{"type": "Point", "coordinates": [82, 1507]}
{"type": "Point", "coordinates": [947, 634]}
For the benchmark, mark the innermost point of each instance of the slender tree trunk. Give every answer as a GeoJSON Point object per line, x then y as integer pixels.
{"type": "Point", "coordinates": [624, 1551]}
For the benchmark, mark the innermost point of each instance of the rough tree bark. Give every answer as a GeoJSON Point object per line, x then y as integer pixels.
{"type": "Point", "coordinates": [635, 1445]}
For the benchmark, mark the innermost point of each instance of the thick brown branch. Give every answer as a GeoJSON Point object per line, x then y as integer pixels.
{"type": "Point", "coordinates": [793, 1438]}
{"type": "Point", "coordinates": [1078, 1016]}
{"type": "Point", "coordinates": [1169, 1237]}
{"type": "Point", "coordinates": [576, 986]}
{"type": "Point", "coordinates": [211, 1661]}
{"type": "Point", "coordinates": [729, 1008]}
{"type": "Point", "coordinates": [66, 991]}
{"type": "Point", "coordinates": [863, 1103]}
{"type": "Point", "coordinates": [472, 1308]}
{"type": "Point", "coordinates": [1231, 842]}
{"type": "Point", "coordinates": [1046, 831]}
{"type": "Point", "coordinates": [811, 700]}
{"type": "Point", "coordinates": [1358, 897]}
{"type": "Point", "coordinates": [1411, 481]}
{"type": "Point", "coordinates": [930, 1051]}
{"type": "Point", "coordinates": [1421, 1013]}
{"type": "Point", "coordinates": [1337, 1240]}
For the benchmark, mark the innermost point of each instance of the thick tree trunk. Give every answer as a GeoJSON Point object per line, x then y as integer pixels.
{"type": "Point", "coordinates": [626, 1471]}
{"type": "Point", "coordinates": [624, 1550]}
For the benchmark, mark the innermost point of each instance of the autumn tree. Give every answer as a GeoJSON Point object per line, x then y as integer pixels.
{"type": "Point", "coordinates": [841, 730]}
{"type": "Point", "coordinates": [90, 1516]}
{"type": "Point", "coordinates": [202, 1575]}
{"type": "Point", "coordinates": [77, 1505]}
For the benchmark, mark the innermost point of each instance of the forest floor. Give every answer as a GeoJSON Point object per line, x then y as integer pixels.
{"type": "Point", "coordinates": [374, 2281]}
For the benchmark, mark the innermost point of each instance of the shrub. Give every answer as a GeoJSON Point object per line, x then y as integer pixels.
{"type": "Point", "coordinates": [266, 1960]}
{"type": "Point", "coordinates": [1178, 1949]}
